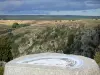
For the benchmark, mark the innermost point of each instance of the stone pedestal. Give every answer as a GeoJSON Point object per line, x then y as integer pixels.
{"type": "Point", "coordinates": [52, 64]}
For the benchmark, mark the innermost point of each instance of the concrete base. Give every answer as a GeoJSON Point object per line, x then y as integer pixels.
{"type": "Point", "coordinates": [52, 64]}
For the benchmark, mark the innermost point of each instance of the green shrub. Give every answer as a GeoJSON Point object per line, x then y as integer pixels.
{"type": "Point", "coordinates": [16, 25]}
{"type": "Point", "coordinates": [97, 57]}
{"type": "Point", "coordinates": [1, 70]}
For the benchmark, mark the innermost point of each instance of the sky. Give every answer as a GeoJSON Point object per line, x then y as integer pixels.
{"type": "Point", "coordinates": [50, 7]}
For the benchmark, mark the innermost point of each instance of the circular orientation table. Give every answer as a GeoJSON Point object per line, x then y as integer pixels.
{"type": "Point", "coordinates": [52, 64]}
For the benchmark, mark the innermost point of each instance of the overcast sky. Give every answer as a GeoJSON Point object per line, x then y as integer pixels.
{"type": "Point", "coordinates": [51, 7]}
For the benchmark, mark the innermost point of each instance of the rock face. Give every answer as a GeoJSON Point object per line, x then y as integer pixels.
{"type": "Point", "coordinates": [52, 64]}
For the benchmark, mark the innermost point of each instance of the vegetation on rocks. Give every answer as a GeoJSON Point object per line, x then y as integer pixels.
{"type": "Point", "coordinates": [85, 43]}
{"type": "Point", "coordinates": [49, 39]}
{"type": "Point", "coordinates": [63, 39]}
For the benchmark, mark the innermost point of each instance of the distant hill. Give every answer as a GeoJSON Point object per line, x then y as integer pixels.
{"type": "Point", "coordinates": [45, 17]}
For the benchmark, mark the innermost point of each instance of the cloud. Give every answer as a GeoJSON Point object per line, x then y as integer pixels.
{"type": "Point", "coordinates": [61, 4]}
{"type": "Point", "coordinates": [6, 5]}
{"type": "Point", "coordinates": [12, 6]}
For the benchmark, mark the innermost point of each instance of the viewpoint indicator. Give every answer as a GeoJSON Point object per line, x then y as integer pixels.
{"type": "Point", "coordinates": [60, 61]}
